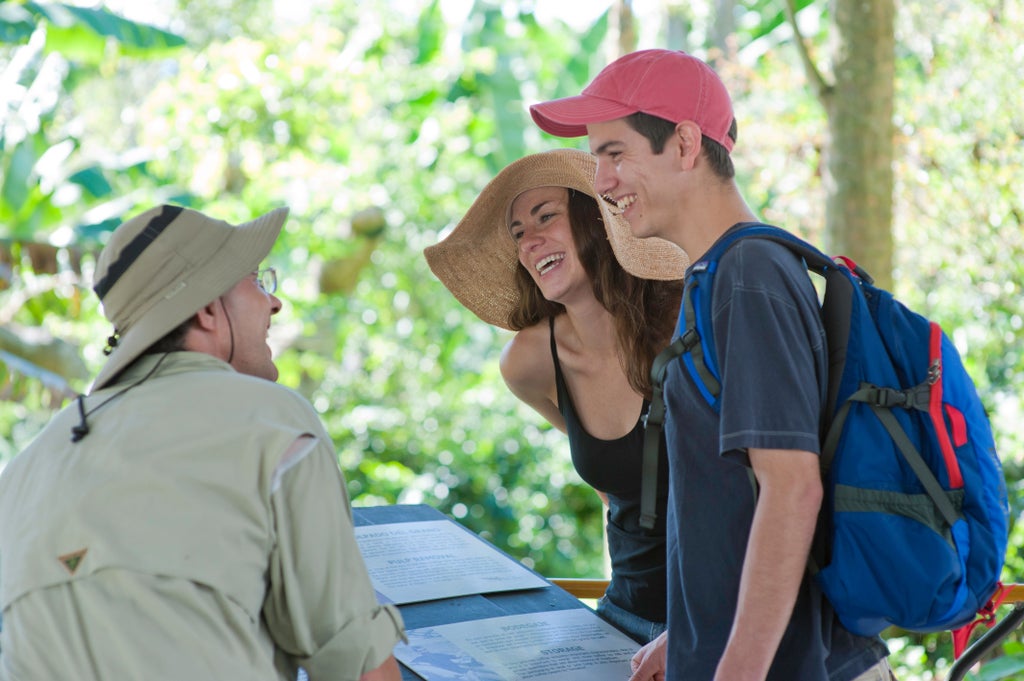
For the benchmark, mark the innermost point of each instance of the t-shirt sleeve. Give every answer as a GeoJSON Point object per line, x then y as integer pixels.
{"type": "Point", "coordinates": [767, 327]}
{"type": "Point", "coordinates": [321, 609]}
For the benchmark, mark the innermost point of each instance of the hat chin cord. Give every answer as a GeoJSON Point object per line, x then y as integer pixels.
{"type": "Point", "coordinates": [231, 329]}
{"type": "Point", "coordinates": [82, 429]}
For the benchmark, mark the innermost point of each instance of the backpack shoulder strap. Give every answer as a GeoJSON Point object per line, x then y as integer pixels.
{"type": "Point", "coordinates": [695, 321]}
{"type": "Point", "coordinates": [654, 421]}
{"type": "Point", "coordinates": [695, 344]}
{"type": "Point", "coordinates": [689, 342]}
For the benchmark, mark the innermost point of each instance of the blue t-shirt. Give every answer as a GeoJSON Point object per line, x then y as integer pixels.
{"type": "Point", "coordinates": [771, 351]}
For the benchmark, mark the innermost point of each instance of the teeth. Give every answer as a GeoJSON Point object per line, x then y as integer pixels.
{"type": "Point", "coordinates": [621, 204]}
{"type": "Point", "coordinates": [625, 203]}
{"type": "Point", "coordinates": [547, 263]}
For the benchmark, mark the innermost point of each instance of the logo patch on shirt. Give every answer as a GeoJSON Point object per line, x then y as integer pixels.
{"type": "Point", "coordinates": [72, 560]}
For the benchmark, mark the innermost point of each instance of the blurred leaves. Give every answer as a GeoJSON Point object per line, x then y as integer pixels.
{"type": "Point", "coordinates": [81, 33]}
{"type": "Point", "coordinates": [378, 128]}
{"type": "Point", "coordinates": [359, 122]}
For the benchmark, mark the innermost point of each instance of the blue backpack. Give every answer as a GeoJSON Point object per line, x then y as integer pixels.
{"type": "Point", "coordinates": [914, 524]}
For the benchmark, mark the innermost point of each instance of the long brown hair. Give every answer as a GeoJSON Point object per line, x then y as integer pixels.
{"type": "Point", "coordinates": [644, 310]}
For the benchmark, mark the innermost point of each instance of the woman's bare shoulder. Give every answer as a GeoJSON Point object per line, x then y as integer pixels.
{"type": "Point", "coordinates": [526, 359]}
{"type": "Point", "coordinates": [529, 371]}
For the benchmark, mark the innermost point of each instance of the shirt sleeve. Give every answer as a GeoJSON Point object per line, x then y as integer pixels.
{"type": "Point", "coordinates": [321, 609]}
{"type": "Point", "coordinates": [767, 324]}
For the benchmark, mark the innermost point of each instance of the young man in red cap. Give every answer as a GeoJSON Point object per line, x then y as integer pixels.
{"type": "Point", "coordinates": [741, 606]}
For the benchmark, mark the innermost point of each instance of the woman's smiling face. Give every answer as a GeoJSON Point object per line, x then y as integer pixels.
{"type": "Point", "coordinates": [539, 224]}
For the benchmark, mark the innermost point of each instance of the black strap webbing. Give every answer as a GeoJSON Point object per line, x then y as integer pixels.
{"type": "Point", "coordinates": [882, 401]}
{"type": "Point", "coordinates": [653, 423]}
{"type": "Point", "coordinates": [131, 252]}
{"type": "Point", "coordinates": [924, 474]}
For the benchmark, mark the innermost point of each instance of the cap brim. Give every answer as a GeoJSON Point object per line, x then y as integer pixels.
{"type": "Point", "coordinates": [570, 116]}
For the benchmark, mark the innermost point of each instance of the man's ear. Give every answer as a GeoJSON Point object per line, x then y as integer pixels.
{"type": "Point", "coordinates": [206, 317]}
{"type": "Point", "coordinates": [687, 138]}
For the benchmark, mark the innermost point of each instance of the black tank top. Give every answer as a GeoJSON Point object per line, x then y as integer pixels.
{"type": "Point", "coordinates": [613, 467]}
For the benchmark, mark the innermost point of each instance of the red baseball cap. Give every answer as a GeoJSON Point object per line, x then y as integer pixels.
{"type": "Point", "coordinates": [668, 84]}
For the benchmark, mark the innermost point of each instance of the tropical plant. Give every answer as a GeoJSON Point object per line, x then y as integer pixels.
{"type": "Point", "coordinates": [379, 127]}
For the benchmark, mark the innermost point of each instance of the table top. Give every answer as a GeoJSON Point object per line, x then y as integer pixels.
{"type": "Point", "coordinates": [462, 608]}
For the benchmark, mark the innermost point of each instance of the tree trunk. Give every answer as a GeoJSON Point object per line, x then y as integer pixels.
{"type": "Point", "coordinates": [625, 24]}
{"type": "Point", "coordinates": [859, 157]}
{"type": "Point", "coordinates": [724, 26]}
{"type": "Point", "coordinates": [678, 23]}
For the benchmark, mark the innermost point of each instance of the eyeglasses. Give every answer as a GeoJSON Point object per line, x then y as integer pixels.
{"type": "Point", "coordinates": [266, 279]}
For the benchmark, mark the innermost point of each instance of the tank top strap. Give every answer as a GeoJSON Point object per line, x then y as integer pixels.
{"type": "Point", "coordinates": [562, 391]}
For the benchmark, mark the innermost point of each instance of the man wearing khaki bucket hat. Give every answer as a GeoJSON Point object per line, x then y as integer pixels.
{"type": "Point", "coordinates": [186, 519]}
{"type": "Point", "coordinates": [538, 254]}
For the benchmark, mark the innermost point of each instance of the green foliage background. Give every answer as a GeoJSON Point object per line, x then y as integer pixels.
{"type": "Point", "coordinates": [391, 109]}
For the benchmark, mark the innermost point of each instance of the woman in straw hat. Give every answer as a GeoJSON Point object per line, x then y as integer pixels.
{"type": "Point", "coordinates": [591, 306]}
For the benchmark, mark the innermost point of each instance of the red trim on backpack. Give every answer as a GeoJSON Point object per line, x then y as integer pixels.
{"type": "Point", "coordinates": [986, 616]}
{"type": "Point", "coordinates": [846, 262]}
{"type": "Point", "coordinates": [959, 425]}
{"type": "Point", "coordinates": [956, 480]}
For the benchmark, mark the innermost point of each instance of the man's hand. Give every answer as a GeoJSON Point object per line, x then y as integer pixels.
{"type": "Point", "coordinates": [649, 662]}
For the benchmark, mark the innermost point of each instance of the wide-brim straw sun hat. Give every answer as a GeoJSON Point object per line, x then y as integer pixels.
{"type": "Point", "coordinates": [477, 261]}
{"type": "Point", "coordinates": [161, 267]}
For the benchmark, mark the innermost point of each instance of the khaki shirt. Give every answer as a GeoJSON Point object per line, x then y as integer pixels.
{"type": "Point", "coordinates": [201, 530]}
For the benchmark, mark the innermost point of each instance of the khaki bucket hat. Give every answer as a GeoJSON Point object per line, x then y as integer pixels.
{"type": "Point", "coordinates": [478, 260]}
{"type": "Point", "coordinates": [161, 267]}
